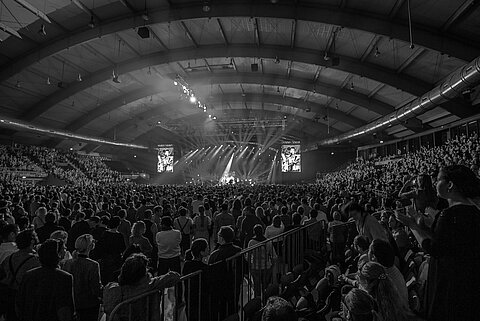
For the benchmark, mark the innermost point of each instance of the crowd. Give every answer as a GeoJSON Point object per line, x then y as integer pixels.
{"type": "Point", "coordinates": [403, 244]}
{"type": "Point", "coordinates": [67, 165]}
{"type": "Point", "coordinates": [12, 158]}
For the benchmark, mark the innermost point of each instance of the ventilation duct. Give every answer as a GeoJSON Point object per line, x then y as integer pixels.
{"type": "Point", "coordinates": [21, 125]}
{"type": "Point", "coordinates": [468, 76]}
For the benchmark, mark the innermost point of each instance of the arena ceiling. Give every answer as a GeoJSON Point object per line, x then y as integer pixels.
{"type": "Point", "coordinates": [326, 67]}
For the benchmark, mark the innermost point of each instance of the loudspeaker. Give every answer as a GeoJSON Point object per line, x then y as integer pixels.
{"type": "Point", "coordinates": [254, 67]}
{"type": "Point", "coordinates": [143, 32]}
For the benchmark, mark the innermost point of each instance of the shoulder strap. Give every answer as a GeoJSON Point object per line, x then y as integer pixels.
{"type": "Point", "coordinates": [14, 273]}
{"type": "Point", "coordinates": [182, 227]}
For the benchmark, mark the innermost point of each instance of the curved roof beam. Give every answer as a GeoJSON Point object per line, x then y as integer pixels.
{"type": "Point", "coordinates": [325, 89]}
{"type": "Point", "coordinates": [349, 65]}
{"type": "Point", "coordinates": [290, 102]}
{"type": "Point", "coordinates": [138, 94]}
{"type": "Point", "coordinates": [424, 36]}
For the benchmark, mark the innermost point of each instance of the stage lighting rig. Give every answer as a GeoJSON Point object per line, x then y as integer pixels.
{"type": "Point", "coordinates": [188, 92]}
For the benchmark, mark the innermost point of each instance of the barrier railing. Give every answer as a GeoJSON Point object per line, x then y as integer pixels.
{"type": "Point", "coordinates": [229, 284]}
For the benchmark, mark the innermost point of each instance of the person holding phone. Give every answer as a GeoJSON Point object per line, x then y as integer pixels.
{"type": "Point", "coordinates": [422, 192]}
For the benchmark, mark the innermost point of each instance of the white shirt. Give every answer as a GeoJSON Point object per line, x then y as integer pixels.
{"type": "Point", "coordinates": [168, 243]}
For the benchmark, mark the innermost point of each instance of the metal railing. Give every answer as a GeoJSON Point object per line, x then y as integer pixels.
{"type": "Point", "coordinates": [232, 282]}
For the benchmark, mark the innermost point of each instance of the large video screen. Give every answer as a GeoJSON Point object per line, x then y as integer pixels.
{"type": "Point", "coordinates": [165, 158]}
{"type": "Point", "coordinates": [291, 157]}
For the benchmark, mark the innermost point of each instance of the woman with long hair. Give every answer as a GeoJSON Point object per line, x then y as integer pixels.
{"type": "Point", "coordinates": [423, 194]}
{"type": "Point", "coordinates": [373, 279]}
{"type": "Point", "coordinates": [138, 230]}
{"type": "Point", "coordinates": [237, 209]}
{"type": "Point", "coordinates": [453, 283]}
{"type": "Point", "coordinates": [358, 305]}
{"type": "Point", "coordinates": [134, 279]}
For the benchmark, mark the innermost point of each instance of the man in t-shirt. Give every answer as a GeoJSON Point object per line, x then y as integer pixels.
{"type": "Point", "coordinates": [367, 225]}
{"type": "Point", "coordinates": [46, 292]}
{"type": "Point", "coordinates": [196, 204]}
{"type": "Point", "coordinates": [222, 219]}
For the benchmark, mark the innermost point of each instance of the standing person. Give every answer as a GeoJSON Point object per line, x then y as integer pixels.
{"type": "Point", "coordinates": [168, 243]}
{"type": "Point", "coordinates": [196, 205]}
{"type": "Point", "coordinates": [366, 224]}
{"type": "Point", "coordinates": [248, 223]}
{"type": "Point", "coordinates": [46, 292]}
{"type": "Point", "coordinates": [237, 209]}
{"type": "Point", "coordinates": [87, 288]}
{"type": "Point", "coordinates": [80, 227]}
{"type": "Point", "coordinates": [8, 246]}
{"type": "Point", "coordinates": [39, 219]}
{"type": "Point", "coordinates": [134, 280]}
{"type": "Point", "coordinates": [423, 194]}
{"type": "Point", "coordinates": [137, 238]}
{"type": "Point", "coordinates": [201, 224]}
{"type": "Point", "coordinates": [261, 261]}
{"type": "Point", "coordinates": [454, 246]}
{"type": "Point", "coordinates": [46, 230]}
{"type": "Point", "coordinates": [184, 224]}
{"type": "Point", "coordinates": [14, 268]}
{"type": "Point", "coordinates": [109, 250]}
{"type": "Point", "coordinates": [195, 296]}
{"type": "Point", "coordinates": [125, 227]}
{"type": "Point", "coordinates": [337, 231]}
{"type": "Point", "coordinates": [226, 290]}
{"type": "Point", "coordinates": [224, 218]}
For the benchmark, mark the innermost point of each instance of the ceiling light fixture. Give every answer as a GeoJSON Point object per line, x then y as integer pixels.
{"type": "Point", "coordinates": [326, 57]}
{"type": "Point", "coordinates": [377, 52]}
{"type": "Point", "coordinates": [79, 78]}
{"type": "Point", "coordinates": [145, 16]}
{"type": "Point", "coordinates": [48, 81]}
{"type": "Point", "coordinates": [115, 78]}
{"type": "Point", "coordinates": [352, 87]}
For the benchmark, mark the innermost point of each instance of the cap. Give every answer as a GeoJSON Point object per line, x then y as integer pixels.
{"type": "Point", "coordinates": [83, 242]}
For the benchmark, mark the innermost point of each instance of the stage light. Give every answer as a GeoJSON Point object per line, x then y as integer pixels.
{"type": "Point", "coordinates": [214, 117]}
{"type": "Point", "coordinates": [175, 83]}
{"type": "Point", "coordinates": [193, 99]}
{"type": "Point", "coordinates": [381, 142]}
{"type": "Point", "coordinates": [333, 153]}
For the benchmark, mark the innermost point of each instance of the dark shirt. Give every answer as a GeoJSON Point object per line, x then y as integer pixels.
{"type": "Point", "coordinates": [86, 281]}
{"type": "Point", "coordinates": [65, 223]}
{"type": "Point", "coordinates": [78, 229]}
{"type": "Point", "coordinates": [192, 289]}
{"type": "Point", "coordinates": [46, 230]}
{"type": "Point", "coordinates": [453, 280]}
{"type": "Point", "coordinates": [43, 292]}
